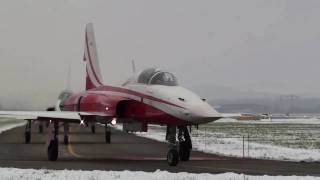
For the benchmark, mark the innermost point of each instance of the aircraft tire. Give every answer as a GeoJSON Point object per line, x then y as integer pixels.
{"type": "Point", "coordinates": [184, 151]}
{"type": "Point", "coordinates": [173, 157]}
{"type": "Point", "coordinates": [93, 129]}
{"type": "Point", "coordinates": [53, 150]}
{"type": "Point", "coordinates": [27, 136]}
{"type": "Point", "coordinates": [108, 137]}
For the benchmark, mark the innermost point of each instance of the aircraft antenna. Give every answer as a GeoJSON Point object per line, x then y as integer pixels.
{"type": "Point", "coordinates": [133, 67]}
{"type": "Point", "coordinates": [68, 77]}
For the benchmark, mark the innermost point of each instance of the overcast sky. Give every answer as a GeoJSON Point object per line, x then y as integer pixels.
{"type": "Point", "coordinates": [215, 47]}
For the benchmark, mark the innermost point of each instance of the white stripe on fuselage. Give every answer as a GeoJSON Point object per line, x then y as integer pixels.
{"type": "Point", "coordinates": [167, 108]}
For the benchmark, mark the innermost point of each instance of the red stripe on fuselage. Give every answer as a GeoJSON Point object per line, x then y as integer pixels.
{"type": "Point", "coordinates": [131, 92]}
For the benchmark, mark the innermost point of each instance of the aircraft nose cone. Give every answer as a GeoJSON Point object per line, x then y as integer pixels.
{"type": "Point", "coordinates": [204, 114]}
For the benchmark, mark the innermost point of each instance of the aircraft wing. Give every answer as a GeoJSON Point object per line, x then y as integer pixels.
{"type": "Point", "coordinates": [63, 116]}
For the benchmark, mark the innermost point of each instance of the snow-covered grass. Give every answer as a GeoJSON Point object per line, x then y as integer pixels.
{"type": "Point", "coordinates": [274, 121]}
{"type": "Point", "coordinates": [31, 174]}
{"type": "Point", "coordinates": [284, 139]}
{"type": "Point", "coordinates": [7, 124]}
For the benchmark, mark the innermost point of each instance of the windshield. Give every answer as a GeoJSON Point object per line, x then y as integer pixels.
{"type": "Point", "coordinates": [145, 75]}
{"type": "Point", "coordinates": [154, 76]}
{"type": "Point", "coordinates": [164, 78]}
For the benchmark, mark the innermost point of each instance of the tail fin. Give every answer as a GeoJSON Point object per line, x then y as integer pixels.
{"type": "Point", "coordinates": [94, 78]}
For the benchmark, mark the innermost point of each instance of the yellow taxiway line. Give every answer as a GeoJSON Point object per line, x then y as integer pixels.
{"type": "Point", "coordinates": [72, 151]}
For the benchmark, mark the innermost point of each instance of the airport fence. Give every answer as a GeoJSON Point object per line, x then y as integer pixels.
{"type": "Point", "coordinates": [250, 143]}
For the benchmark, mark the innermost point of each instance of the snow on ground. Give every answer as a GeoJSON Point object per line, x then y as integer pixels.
{"type": "Point", "coordinates": [219, 143]}
{"type": "Point", "coordinates": [234, 147]}
{"type": "Point", "coordinates": [274, 121]}
{"type": "Point", "coordinates": [31, 174]}
{"type": "Point", "coordinates": [7, 124]}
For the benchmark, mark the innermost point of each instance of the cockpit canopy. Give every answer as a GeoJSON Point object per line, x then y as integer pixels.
{"type": "Point", "coordinates": [157, 77]}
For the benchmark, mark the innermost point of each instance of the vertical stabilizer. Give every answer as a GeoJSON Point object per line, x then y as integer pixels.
{"type": "Point", "coordinates": [94, 78]}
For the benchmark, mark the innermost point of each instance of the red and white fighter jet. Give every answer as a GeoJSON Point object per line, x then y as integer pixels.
{"type": "Point", "coordinates": [151, 97]}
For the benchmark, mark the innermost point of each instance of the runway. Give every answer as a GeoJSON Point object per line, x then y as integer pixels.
{"type": "Point", "coordinates": [88, 151]}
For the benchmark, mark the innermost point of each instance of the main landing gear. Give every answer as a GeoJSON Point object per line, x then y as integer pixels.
{"type": "Point", "coordinates": [53, 144]}
{"type": "Point", "coordinates": [40, 127]}
{"type": "Point", "coordinates": [27, 132]}
{"type": "Point", "coordinates": [178, 150]}
{"type": "Point", "coordinates": [108, 134]}
{"type": "Point", "coordinates": [66, 133]}
{"type": "Point", "coordinates": [93, 128]}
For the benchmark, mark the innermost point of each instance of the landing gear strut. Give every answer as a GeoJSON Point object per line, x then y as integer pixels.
{"type": "Point", "coordinates": [93, 128]}
{"type": "Point", "coordinates": [172, 155]}
{"type": "Point", "coordinates": [27, 132]}
{"type": "Point", "coordinates": [181, 150]}
{"type": "Point", "coordinates": [53, 145]}
{"type": "Point", "coordinates": [66, 133]}
{"type": "Point", "coordinates": [108, 134]}
{"type": "Point", "coordinates": [40, 127]}
{"type": "Point", "coordinates": [185, 144]}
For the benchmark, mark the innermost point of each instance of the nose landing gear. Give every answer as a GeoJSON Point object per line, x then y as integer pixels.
{"type": "Point", "coordinates": [178, 150]}
{"type": "Point", "coordinates": [185, 144]}
{"type": "Point", "coordinates": [172, 155]}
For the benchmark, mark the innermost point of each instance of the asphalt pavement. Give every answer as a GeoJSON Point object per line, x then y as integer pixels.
{"type": "Point", "coordinates": [88, 151]}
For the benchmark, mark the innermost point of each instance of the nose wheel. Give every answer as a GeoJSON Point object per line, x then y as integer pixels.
{"type": "Point", "coordinates": [173, 157]}
{"type": "Point", "coordinates": [185, 144]}
{"type": "Point", "coordinates": [178, 150]}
